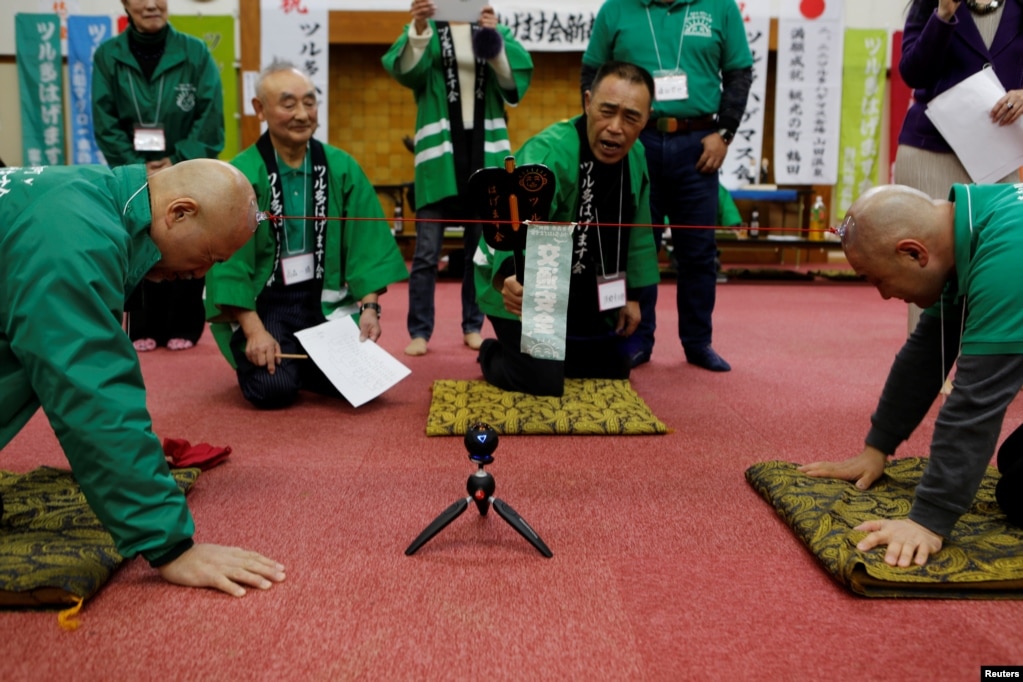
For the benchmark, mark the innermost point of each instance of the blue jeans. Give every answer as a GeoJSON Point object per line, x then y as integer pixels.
{"type": "Point", "coordinates": [422, 282]}
{"type": "Point", "coordinates": [687, 197]}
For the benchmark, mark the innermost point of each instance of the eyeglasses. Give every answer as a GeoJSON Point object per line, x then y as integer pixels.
{"type": "Point", "coordinates": [841, 230]}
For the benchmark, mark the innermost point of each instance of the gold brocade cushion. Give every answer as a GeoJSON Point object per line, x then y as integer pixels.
{"type": "Point", "coordinates": [588, 407]}
{"type": "Point", "coordinates": [983, 558]}
{"type": "Point", "coordinates": [53, 549]}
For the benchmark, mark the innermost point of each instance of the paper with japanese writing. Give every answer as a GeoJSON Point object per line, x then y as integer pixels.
{"type": "Point", "coordinates": [360, 370]}
{"type": "Point", "coordinates": [962, 114]}
{"type": "Point", "coordinates": [545, 290]}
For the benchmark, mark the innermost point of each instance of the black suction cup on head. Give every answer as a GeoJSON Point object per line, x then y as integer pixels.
{"type": "Point", "coordinates": [481, 441]}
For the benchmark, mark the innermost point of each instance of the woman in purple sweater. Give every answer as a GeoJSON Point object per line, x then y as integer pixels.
{"type": "Point", "coordinates": [944, 43]}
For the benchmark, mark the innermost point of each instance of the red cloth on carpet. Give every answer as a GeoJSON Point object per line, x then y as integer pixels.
{"type": "Point", "coordinates": [181, 454]}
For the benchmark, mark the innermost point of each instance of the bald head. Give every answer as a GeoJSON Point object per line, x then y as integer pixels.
{"type": "Point", "coordinates": [902, 241]}
{"type": "Point", "coordinates": [203, 211]}
{"type": "Point", "coordinates": [884, 215]}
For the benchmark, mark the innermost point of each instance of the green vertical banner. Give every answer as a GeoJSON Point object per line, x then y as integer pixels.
{"type": "Point", "coordinates": [218, 34]}
{"type": "Point", "coordinates": [41, 84]}
{"type": "Point", "coordinates": [863, 79]}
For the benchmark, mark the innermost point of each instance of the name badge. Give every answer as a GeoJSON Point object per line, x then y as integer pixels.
{"type": "Point", "coordinates": [670, 86]}
{"type": "Point", "coordinates": [150, 139]}
{"type": "Point", "coordinates": [611, 291]}
{"type": "Point", "coordinates": [298, 268]}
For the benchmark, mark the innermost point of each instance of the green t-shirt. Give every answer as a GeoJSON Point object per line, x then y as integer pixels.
{"type": "Point", "coordinates": [703, 38]}
{"type": "Point", "coordinates": [299, 235]}
{"type": "Point", "coordinates": [988, 262]}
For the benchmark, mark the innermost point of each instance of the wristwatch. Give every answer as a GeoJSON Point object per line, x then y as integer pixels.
{"type": "Point", "coordinates": [372, 306]}
{"type": "Point", "coordinates": [726, 135]}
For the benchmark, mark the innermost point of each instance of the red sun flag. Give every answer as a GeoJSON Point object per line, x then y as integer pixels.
{"type": "Point", "coordinates": [812, 9]}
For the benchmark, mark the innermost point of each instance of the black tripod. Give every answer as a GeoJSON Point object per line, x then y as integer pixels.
{"type": "Point", "coordinates": [480, 441]}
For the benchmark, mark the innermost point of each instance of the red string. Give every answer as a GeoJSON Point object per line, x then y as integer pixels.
{"type": "Point", "coordinates": [275, 218]}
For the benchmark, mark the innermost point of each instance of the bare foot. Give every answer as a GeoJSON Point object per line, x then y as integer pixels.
{"type": "Point", "coordinates": [179, 344]}
{"type": "Point", "coordinates": [144, 345]}
{"type": "Point", "coordinates": [417, 347]}
{"type": "Point", "coordinates": [473, 340]}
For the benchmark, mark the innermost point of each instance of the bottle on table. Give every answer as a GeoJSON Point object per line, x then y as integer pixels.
{"type": "Point", "coordinates": [818, 220]}
{"type": "Point", "coordinates": [754, 225]}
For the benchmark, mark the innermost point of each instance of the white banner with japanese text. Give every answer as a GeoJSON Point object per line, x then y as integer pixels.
{"type": "Point", "coordinates": [743, 162]}
{"type": "Point", "coordinates": [297, 31]}
{"type": "Point", "coordinates": [545, 285]}
{"type": "Point", "coordinates": [808, 95]}
{"type": "Point", "coordinates": [564, 26]}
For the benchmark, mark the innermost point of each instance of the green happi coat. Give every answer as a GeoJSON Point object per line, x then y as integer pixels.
{"type": "Point", "coordinates": [74, 242]}
{"type": "Point", "coordinates": [360, 257]}
{"type": "Point", "coordinates": [435, 162]}
{"type": "Point", "coordinates": [557, 147]}
{"type": "Point", "coordinates": [189, 105]}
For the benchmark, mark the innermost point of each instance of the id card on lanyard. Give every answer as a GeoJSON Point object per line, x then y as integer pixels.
{"type": "Point", "coordinates": [298, 269]}
{"type": "Point", "coordinates": [611, 291]}
{"type": "Point", "coordinates": [671, 86]}
{"type": "Point", "coordinates": [150, 138]}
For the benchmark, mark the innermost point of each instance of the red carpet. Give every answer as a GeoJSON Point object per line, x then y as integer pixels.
{"type": "Point", "coordinates": [667, 565]}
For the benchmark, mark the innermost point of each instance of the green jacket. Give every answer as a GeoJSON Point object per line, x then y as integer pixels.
{"type": "Point", "coordinates": [360, 257]}
{"type": "Point", "coordinates": [73, 244]}
{"type": "Point", "coordinates": [189, 105]}
{"type": "Point", "coordinates": [435, 162]}
{"type": "Point", "coordinates": [557, 147]}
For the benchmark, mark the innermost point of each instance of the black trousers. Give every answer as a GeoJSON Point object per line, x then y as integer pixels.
{"type": "Point", "coordinates": [284, 311]}
{"type": "Point", "coordinates": [508, 368]}
{"type": "Point", "coordinates": [1009, 491]}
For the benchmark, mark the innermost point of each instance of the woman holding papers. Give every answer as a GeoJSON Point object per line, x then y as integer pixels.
{"type": "Point", "coordinates": [944, 43]}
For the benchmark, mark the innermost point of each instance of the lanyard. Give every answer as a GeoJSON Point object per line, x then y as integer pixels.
{"type": "Point", "coordinates": [135, 101]}
{"type": "Point", "coordinates": [132, 197]}
{"type": "Point", "coordinates": [681, 37]}
{"type": "Point", "coordinates": [305, 199]}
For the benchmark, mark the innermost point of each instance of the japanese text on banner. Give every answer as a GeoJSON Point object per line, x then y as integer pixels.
{"type": "Point", "coordinates": [41, 83]}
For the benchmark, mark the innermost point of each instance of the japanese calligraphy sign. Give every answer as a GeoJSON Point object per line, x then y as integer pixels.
{"type": "Point", "coordinates": [809, 90]}
{"type": "Point", "coordinates": [742, 164]}
{"type": "Point", "coordinates": [218, 34]}
{"type": "Point", "coordinates": [297, 31]}
{"type": "Point", "coordinates": [564, 26]}
{"type": "Point", "coordinates": [84, 35]}
{"type": "Point", "coordinates": [545, 290]}
{"type": "Point", "coordinates": [864, 65]}
{"type": "Point", "coordinates": [41, 83]}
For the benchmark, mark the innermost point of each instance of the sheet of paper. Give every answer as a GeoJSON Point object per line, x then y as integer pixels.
{"type": "Point", "coordinates": [360, 370]}
{"type": "Point", "coordinates": [459, 10]}
{"type": "Point", "coordinates": [962, 114]}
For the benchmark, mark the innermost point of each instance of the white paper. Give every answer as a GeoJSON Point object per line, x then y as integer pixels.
{"type": "Point", "coordinates": [360, 370]}
{"type": "Point", "coordinates": [458, 10]}
{"type": "Point", "coordinates": [962, 114]}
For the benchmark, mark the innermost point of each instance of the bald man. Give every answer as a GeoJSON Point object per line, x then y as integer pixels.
{"type": "Point", "coordinates": [74, 242]}
{"type": "Point", "coordinates": [960, 260]}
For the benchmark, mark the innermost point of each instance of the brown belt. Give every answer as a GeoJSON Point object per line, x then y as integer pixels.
{"type": "Point", "coordinates": [668, 124]}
